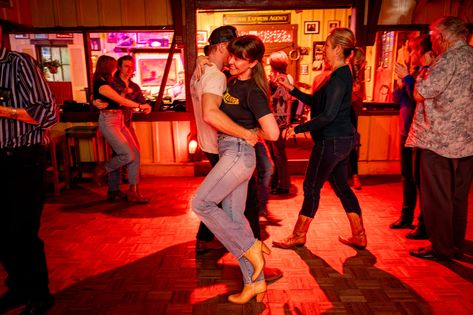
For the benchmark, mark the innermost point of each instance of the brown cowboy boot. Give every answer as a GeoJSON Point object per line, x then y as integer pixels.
{"type": "Point", "coordinates": [358, 238]}
{"type": "Point", "coordinates": [298, 236]}
{"type": "Point", "coordinates": [133, 195]}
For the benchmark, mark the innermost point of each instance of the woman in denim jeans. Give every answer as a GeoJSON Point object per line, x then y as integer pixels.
{"type": "Point", "coordinates": [246, 102]}
{"type": "Point", "coordinates": [112, 126]}
{"type": "Point", "coordinates": [334, 138]}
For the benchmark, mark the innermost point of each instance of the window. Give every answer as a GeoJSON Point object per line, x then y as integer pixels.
{"type": "Point", "coordinates": [55, 55]}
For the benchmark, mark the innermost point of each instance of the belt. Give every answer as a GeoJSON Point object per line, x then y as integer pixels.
{"type": "Point", "coordinates": [111, 110]}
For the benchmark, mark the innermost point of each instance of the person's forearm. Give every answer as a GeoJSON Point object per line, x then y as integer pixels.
{"type": "Point", "coordinates": [19, 114]}
{"type": "Point", "coordinates": [224, 124]}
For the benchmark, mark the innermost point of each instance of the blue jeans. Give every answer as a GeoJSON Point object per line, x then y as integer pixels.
{"type": "Point", "coordinates": [123, 141]}
{"type": "Point", "coordinates": [264, 168]}
{"type": "Point", "coordinates": [227, 183]}
{"type": "Point", "coordinates": [328, 161]}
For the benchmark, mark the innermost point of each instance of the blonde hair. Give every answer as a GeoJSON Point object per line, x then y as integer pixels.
{"type": "Point", "coordinates": [345, 38]}
{"type": "Point", "coordinates": [452, 28]}
{"type": "Point", "coordinates": [279, 61]}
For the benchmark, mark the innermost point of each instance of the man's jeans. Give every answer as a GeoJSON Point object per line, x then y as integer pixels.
{"type": "Point", "coordinates": [123, 142]}
{"type": "Point", "coordinates": [329, 161]}
{"type": "Point", "coordinates": [265, 169]}
{"type": "Point", "coordinates": [227, 183]}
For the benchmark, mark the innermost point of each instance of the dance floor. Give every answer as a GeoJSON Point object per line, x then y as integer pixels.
{"type": "Point", "coordinates": [117, 258]}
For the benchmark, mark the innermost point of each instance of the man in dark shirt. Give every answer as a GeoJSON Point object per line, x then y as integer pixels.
{"type": "Point", "coordinates": [27, 111]}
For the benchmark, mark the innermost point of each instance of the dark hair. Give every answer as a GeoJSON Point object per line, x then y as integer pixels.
{"type": "Point", "coordinates": [206, 50]}
{"type": "Point", "coordinates": [251, 48]}
{"type": "Point", "coordinates": [125, 58]}
{"type": "Point", "coordinates": [104, 68]}
{"type": "Point", "coordinates": [423, 43]}
{"type": "Point", "coordinates": [222, 34]}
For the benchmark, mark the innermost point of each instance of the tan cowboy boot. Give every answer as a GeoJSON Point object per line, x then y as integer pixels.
{"type": "Point", "coordinates": [298, 236]}
{"type": "Point", "coordinates": [255, 257]}
{"type": "Point", "coordinates": [256, 289]}
{"type": "Point", "coordinates": [358, 238]}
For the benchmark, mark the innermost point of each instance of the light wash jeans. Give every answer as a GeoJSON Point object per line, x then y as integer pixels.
{"type": "Point", "coordinates": [123, 142]}
{"type": "Point", "coordinates": [227, 183]}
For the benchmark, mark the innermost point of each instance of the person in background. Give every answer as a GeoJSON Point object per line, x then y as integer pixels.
{"type": "Point", "coordinates": [208, 83]}
{"type": "Point", "coordinates": [227, 182]}
{"type": "Point", "coordinates": [357, 63]}
{"type": "Point", "coordinates": [442, 130]}
{"type": "Point", "coordinates": [281, 106]}
{"type": "Point", "coordinates": [334, 137]}
{"type": "Point", "coordinates": [112, 126]}
{"type": "Point", "coordinates": [27, 112]}
{"type": "Point", "coordinates": [420, 58]}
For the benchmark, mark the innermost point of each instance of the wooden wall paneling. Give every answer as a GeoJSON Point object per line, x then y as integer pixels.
{"type": "Point", "coordinates": [165, 142]}
{"type": "Point", "coordinates": [158, 12]}
{"type": "Point", "coordinates": [181, 130]}
{"type": "Point", "coordinates": [364, 127]}
{"type": "Point", "coordinates": [19, 12]}
{"type": "Point", "coordinates": [88, 13]}
{"type": "Point", "coordinates": [379, 138]}
{"type": "Point", "coordinates": [144, 132]}
{"type": "Point", "coordinates": [110, 12]}
{"type": "Point", "coordinates": [133, 12]}
{"type": "Point", "coordinates": [44, 13]}
{"type": "Point", "coordinates": [65, 13]}
{"type": "Point", "coordinates": [79, 75]}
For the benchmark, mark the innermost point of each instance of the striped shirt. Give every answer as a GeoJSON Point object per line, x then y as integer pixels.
{"type": "Point", "coordinates": [29, 90]}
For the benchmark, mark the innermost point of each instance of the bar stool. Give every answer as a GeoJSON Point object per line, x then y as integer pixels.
{"type": "Point", "coordinates": [58, 173]}
{"type": "Point", "coordinates": [78, 133]}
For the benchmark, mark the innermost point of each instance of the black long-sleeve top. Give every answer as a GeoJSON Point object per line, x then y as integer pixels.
{"type": "Point", "coordinates": [330, 107]}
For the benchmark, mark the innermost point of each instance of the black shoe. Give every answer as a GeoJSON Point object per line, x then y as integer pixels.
{"type": "Point", "coordinates": [10, 300]}
{"type": "Point", "coordinates": [280, 191]}
{"type": "Point", "coordinates": [401, 223]}
{"type": "Point", "coordinates": [427, 253]}
{"type": "Point", "coordinates": [38, 307]}
{"type": "Point", "coordinates": [116, 195]}
{"type": "Point", "coordinates": [272, 274]}
{"type": "Point", "coordinates": [417, 234]}
{"type": "Point", "coordinates": [201, 247]}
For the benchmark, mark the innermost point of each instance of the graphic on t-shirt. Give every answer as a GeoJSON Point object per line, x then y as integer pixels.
{"type": "Point", "coordinates": [231, 100]}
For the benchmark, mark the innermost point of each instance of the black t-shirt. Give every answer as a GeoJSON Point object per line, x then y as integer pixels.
{"type": "Point", "coordinates": [111, 104]}
{"type": "Point", "coordinates": [245, 103]}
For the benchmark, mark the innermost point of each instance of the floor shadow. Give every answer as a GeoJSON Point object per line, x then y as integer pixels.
{"type": "Point", "coordinates": [460, 267]}
{"type": "Point", "coordinates": [362, 288]}
{"type": "Point", "coordinates": [171, 281]}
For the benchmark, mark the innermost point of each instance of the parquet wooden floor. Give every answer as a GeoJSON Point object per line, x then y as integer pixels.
{"type": "Point", "coordinates": [129, 260]}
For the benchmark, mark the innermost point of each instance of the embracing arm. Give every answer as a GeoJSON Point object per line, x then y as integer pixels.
{"type": "Point", "coordinates": [269, 127]}
{"type": "Point", "coordinates": [213, 116]}
{"type": "Point", "coordinates": [106, 90]}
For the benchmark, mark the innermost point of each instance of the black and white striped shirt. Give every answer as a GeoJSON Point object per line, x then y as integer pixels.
{"type": "Point", "coordinates": [29, 90]}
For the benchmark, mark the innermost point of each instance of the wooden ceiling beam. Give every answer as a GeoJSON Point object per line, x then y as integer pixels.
{"type": "Point", "coordinates": [271, 4]}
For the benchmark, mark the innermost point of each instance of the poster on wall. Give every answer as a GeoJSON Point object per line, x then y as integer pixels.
{"type": "Point", "coordinates": [318, 57]}
{"type": "Point", "coordinates": [152, 70]}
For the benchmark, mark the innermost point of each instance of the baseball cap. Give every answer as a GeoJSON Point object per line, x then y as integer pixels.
{"type": "Point", "coordinates": [222, 34]}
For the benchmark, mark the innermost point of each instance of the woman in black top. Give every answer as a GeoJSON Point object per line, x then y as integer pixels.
{"type": "Point", "coordinates": [334, 138]}
{"type": "Point", "coordinates": [246, 102]}
{"type": "Point", "coordinates": [112, 126]}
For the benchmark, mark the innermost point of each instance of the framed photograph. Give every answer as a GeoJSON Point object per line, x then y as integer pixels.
{"type": "Point", "coordinates": [333, 24]}
{"type": "Point", "coordinates": [318, 57]}
{"type": "Point", "coordinates": [304, 69]}
{"type": "Point", "coordinates": [65, 35]}
{"type": "Point", "coordinates": [22, 36]}
{"type": "Point", "coordinates": [41, 36]}
{"type": "Point", "coordinates": [95, 44]}
{"type": "Point", "coordinates": [202, 38]}
{"type": "Point", "coordinates": [152, 70]}
{"type": "Point", "coordinates": [311, 27]}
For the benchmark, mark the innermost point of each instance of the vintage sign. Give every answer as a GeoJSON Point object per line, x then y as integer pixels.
{"type": "Point", "coordinates": [232, 19]}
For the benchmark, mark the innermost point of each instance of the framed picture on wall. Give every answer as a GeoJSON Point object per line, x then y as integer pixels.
{"type": "Point", "coordinates": [318, 57]}
{"type": "Point", "coordinates": [202, 38]}
{"type": "Point", "coordinates": [95, 44]}
{"type": "Point", "coordinates": [333, 24]}
{"type": "Point", "coordinates": [152, 70]}
{"type": "Point", "coordinates": [311, 27]}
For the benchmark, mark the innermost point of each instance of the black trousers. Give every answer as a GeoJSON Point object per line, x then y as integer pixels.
{"type": "Point", "coordinates": [251, 210]}
{"type": "Point", "coordinates": [444, 188]}
{"type": "Point", "coordinates": [22, 196]}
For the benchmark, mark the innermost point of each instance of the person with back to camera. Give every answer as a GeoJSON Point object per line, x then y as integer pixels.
{"type": "Point", "coordinates": [357, 63]}
{"type": "Point", "coordinates": [246, 102]}
{"type": "Point", "coordinates": [442, 130]}
{"type": "Point", "coordinates": [113, 128]}
{"type": "Point", "coordinates": [281, 105]}
{"type": "Point", "coordinates": [420, 58]}
{"type": "Point", "coordinates": [334, 138]}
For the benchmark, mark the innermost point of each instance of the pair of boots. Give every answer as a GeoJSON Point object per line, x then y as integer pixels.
{"type": "Point", "coordinates": [133, 195]}
{"type": "Point", "coordinates": [298, 236]}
